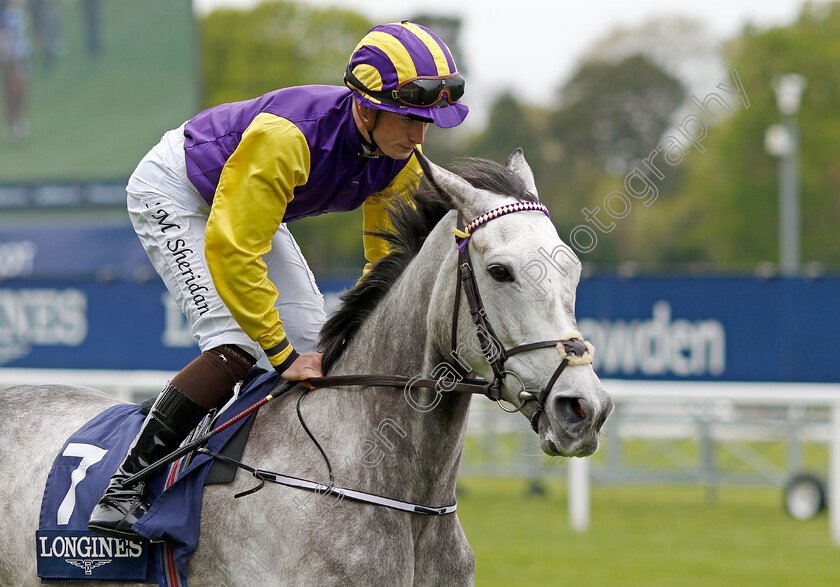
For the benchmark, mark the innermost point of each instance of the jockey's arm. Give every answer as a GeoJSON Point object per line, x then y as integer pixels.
{"type": "Point", "coordinates": [375, 210]}
{"type": "Point", "coordinates": [255, 187]}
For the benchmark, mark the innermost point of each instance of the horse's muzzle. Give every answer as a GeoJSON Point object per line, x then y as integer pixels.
{"type": "Point", "coordinates": [571, 426]}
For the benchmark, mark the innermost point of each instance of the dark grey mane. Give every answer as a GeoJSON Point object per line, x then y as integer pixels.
{"type": "Point", "coordinates": [412, 224]}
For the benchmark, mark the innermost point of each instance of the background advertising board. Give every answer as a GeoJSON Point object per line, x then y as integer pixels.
{"type": "Point", "coordinates": [88, 298]}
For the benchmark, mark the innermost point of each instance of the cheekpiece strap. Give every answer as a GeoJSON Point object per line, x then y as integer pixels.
{"type": "Point", "coordinates": [463, 236]}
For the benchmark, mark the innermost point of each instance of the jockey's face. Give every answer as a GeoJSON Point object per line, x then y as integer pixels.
{"type": "Point", "coordinates": [397, 135]}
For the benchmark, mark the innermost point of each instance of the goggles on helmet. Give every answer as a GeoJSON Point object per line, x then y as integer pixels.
{"type": "Point", "coordinates": [418, 92]}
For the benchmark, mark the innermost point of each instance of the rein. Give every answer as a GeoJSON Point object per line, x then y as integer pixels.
{"type": "Point", "coordinates": [573, 350]}
{"type": "Point", "coordinates": [263, 475]}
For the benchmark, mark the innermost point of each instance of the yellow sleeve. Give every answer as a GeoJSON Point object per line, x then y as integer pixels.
{"type": "Point", "coordinates": [256, 185]}
{"type": "Point", "coordinates": [375, 210]}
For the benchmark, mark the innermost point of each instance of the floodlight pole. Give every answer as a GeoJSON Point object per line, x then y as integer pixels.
{"type": "Point", "coordinates": [789, 88]}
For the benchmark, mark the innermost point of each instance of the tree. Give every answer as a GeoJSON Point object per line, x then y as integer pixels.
{"type": "Point", "coordinates": [615, 113]}
{"type": "Point", "coordinates": [274, 45]}
{"type": "Point", "coordinates": [682, 47]}
{"type": "Point", "coordinates": [610, 116]}
{"type": "Point", "coordinates": [729, 201]}
{"type": "Point", "coordinates": [510, 125]}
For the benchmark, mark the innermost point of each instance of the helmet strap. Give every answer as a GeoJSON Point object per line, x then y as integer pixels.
{"type": "Point", "coordinates": [369, 147]}
{"type": "Point", "coordinates": [367, 117]}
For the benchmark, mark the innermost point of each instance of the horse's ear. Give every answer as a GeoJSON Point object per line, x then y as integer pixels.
{"type": "Point", "coordinates": [451, 186]}
{"type": "Point", "coordinates": [516, 163]}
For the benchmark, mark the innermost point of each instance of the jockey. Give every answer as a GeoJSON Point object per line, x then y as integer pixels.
{"type": "Point", "coordinates": [210, 202]}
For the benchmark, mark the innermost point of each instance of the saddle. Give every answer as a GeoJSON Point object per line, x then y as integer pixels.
{"type": "Point", "coordinates": [67, 550]}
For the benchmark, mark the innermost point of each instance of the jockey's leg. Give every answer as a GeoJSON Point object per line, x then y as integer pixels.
{"type": "Point", "coordinates": [299, 301]}
{"type": "Point", "coordinates": [201, 385]}
{"type": "Point", "coordinates": [170, 218]}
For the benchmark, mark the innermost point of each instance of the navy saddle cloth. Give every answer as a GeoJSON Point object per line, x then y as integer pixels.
{"type": "Point", "coordinates": [67, 551]}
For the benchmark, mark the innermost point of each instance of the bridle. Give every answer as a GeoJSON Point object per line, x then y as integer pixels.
{"type": "Point", "coordinates": [574, 350]}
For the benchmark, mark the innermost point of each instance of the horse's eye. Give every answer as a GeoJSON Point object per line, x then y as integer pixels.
{"type": "Point", "coordinates": [500, 273]}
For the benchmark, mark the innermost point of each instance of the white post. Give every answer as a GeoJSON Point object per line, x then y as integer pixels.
{"type": "Point", "coordinates": [789, 88]}
{"type": "Point", "coordinates": [579, 504]}
{"type": "Point", "coordinates": [833, 490]}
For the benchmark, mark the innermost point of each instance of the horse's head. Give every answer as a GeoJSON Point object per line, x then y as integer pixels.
{"type": "Point", "coordinates": [516, 287]}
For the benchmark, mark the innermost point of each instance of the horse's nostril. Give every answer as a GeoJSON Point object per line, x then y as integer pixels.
{"type": "Point", "coordinates": [570, 410]}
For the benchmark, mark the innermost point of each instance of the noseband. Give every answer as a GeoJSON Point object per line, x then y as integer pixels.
{"type": "Point", "coordinates": [573, 349]}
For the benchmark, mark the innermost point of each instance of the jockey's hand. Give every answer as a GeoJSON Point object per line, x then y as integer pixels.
{"type": "Point", "coordinates": [305, 366]}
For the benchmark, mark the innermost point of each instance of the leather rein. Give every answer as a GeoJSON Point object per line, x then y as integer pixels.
{"type": "Point", "coordinates": [573, 351]}
{"type": "Point", "coordinates": [494, 352]}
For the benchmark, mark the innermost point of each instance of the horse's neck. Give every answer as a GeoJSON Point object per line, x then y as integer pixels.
{"type": "Point", "coordinates": [423, 432]}
{"type": "Point", "coordinates": [394, 338]}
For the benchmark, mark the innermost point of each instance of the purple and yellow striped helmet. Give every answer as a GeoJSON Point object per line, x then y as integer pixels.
{"type": "Point", "coordinates": [405, 68]}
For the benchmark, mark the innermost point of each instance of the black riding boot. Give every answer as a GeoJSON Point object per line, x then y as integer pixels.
{"type": "Point", "coordinates": [170, 420]}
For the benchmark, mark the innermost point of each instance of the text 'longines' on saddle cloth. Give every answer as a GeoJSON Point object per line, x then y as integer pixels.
{"type": "Point", "coordinates": [68, 551]}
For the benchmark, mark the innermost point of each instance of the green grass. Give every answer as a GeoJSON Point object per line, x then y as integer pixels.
{"type": "Point", "coordinates": [643, 536]}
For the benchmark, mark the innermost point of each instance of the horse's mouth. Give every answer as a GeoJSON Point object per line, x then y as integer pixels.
{"type": "Point", "coordinates": [548, 447]}
{"type": "Point", "coordinates": [577, 446]}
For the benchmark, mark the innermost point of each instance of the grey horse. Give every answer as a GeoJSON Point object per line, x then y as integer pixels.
{"type": "Point", "coordinates": [405, 443]}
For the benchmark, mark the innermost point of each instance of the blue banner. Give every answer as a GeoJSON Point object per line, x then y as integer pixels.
{"type": "Point", "coordinates": [713, 328]}
{"type": "Point", "coordinates": [73, 253]}
{"type": "Point", "coordinates": [86, 297]}
{"type": "Point", "coordinates": [725, 329]}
